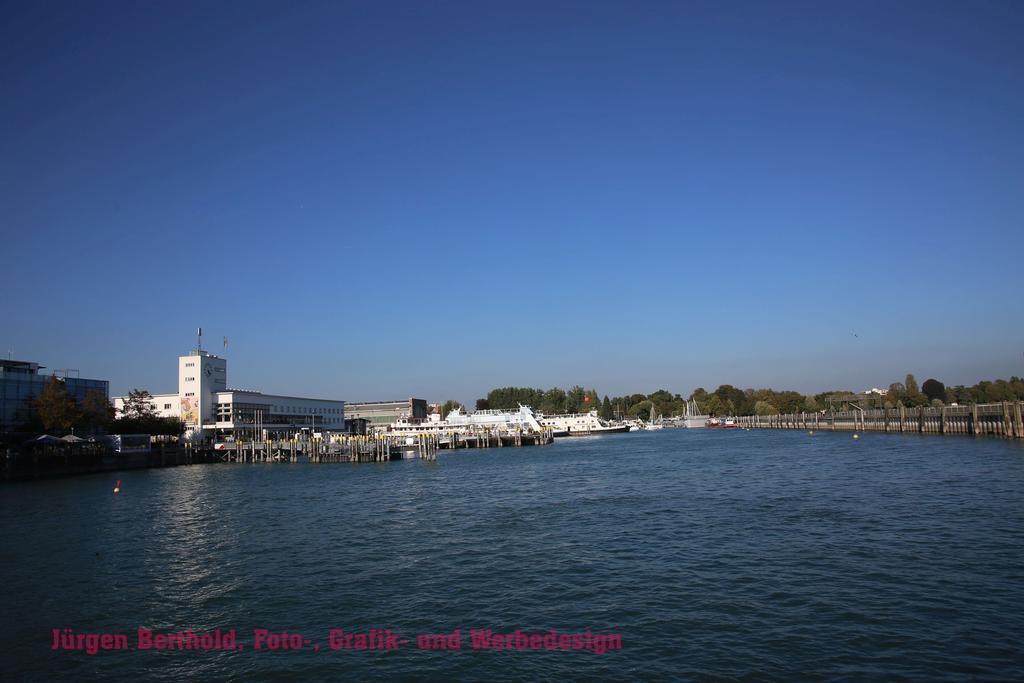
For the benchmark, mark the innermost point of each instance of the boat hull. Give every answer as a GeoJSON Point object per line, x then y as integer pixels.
{"type": "Point", "coordinates": [602, 430]}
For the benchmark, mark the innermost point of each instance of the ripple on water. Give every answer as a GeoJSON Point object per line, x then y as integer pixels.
{"type": "Point", "coordinates": [716, 555]}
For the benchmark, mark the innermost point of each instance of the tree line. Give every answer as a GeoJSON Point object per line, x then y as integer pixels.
{"type": "Point", "coordinates": [728, 400]}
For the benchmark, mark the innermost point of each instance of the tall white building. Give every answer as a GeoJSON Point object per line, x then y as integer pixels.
{"type": "Point", "coordinates": [204, 402]}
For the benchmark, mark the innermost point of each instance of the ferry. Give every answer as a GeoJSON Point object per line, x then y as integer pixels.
{"type": "Point", "coordinates": [580, 424]}
{"type": "Point", "coordinates": [522, 419]}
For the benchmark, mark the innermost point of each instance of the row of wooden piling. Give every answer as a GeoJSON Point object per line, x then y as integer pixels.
{"type": "Point", "coordinates": [382, 447]}
{"type": "Point", "coordinates": [990, 419]}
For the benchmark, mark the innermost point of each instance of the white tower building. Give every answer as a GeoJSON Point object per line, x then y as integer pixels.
{"type": "Point", "coordinates": [200, 376]}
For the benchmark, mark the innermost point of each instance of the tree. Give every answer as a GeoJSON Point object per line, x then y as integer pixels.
{"type": "Point", "coordinates": [552, 402]}
{"type": "Point", "coordinates": [138, 405]}
{"type": "Point", "coordinates": [97, 413]}
{"type": "Point", "coordinates": [510, 398]}
{"type": "Point", "coordinates": [811, 405]}
{"type": "Point", "coordinates": [171, 426]}
{"type": "Point", "coordinates": [575, 400]}
{"type": "Point", "coordinates": [934, 389]}
{"type": "Point", "coordinates": [449, 406]}
{"type": "Point", "coordinates": [606, 409]}
{"type": "Point", "coordinates": [913, 396]}
{"type": "Point", "coordinates": [55, 407]}
{"type": "Point", "coordinates": [733, 399]}
{"type": "Point", "coordinates": [483, 404]}
{"type": "Point", "coordinates": [765, 408]}
{"type": "Point", "coordinates": [713, 406]}
{"type": "Point", "coordinates": [641, 409]}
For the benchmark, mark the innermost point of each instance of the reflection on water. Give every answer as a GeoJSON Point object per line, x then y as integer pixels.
{"type": "Point", "coordinates": [728, 554]}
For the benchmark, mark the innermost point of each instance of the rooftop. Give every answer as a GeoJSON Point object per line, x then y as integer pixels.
{"type": "Point", "coordinates": [20, 365]}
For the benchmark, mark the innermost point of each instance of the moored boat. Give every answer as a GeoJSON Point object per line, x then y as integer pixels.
{"type": "Point", "coordinates": [580, 424]}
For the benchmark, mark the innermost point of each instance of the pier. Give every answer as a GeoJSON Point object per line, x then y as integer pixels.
{"type": "Point", "coordinates": [989, 419]}
{"type": "Point", "coordinates": [381, 447]}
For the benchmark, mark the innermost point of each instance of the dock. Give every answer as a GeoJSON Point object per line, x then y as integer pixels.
{"type": "Point", "coordinates": [381, 447]}
{"type": "Point", "coordinates": [988, 419]}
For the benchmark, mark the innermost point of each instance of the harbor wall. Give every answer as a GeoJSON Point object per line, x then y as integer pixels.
{"type": "Point", "coordinates": [41, 463]}
{"type": "Point", "coordinates": [989, 419]}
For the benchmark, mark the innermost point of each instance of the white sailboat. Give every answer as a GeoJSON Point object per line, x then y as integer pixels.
{"type": "Point", "coordinates": [653, 424]}
{"type": "Point", "coordinates": [693, 417]}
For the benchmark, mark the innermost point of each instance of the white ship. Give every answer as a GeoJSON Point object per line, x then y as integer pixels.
{"type": "Point", "coordinates": [580, 424]}
{"type": "Point", "coordinates": [481, 420]}
{"type": "Point", "coordinates": [635, 425]}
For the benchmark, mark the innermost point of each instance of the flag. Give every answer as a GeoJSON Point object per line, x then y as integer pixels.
{"type": "Point", "coordinates": [225, 342]}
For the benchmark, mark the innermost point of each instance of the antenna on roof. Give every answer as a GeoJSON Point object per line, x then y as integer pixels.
{"type": "Point", "coordinates": [199, 339]}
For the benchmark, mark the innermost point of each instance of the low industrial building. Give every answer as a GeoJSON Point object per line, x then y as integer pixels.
{"type": "Point", "coordinates": [380, 414]}
{"type": "Point", "coordinates": [21, 383]}
{"type": "Point", "coordinates": [205, 403]}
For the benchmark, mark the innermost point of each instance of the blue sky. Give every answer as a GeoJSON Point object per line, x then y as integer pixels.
{"type": "Point", "coordinates": [377, 200]}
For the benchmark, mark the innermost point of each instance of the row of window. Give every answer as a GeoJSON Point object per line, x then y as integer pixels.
{"type": "Point", "coordinates": [304, 410]}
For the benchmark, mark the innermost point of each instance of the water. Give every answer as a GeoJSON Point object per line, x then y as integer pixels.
{"type": "Point", "coordinates": [724, 555]}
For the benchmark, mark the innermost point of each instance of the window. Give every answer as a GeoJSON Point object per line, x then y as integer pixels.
{"type": "Point", "coordinates": [167, 406]}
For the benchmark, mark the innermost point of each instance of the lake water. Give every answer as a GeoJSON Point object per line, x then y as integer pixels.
{"type": "Point", "coordinates": [712, 554]}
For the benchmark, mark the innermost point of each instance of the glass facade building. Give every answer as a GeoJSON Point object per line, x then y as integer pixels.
{"type": "Point", "coordinates": [21, 383]}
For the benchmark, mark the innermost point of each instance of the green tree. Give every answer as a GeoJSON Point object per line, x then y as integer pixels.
{"type": "Point", "coordinates": [765, 408]}
{"type": "Point", "coordinates": [483, 404]}
{"type": "Point", "coordinates": [97, 412]}
{"type": "Point", "coordinates": [552, 402]}
{"type": "Point", "coordinates": [788, 401]}
{"type": "Point", "coordinates": [575, 399]}
{"type": "Point", "coordinates": [714, 406]}
{"type": "Point", "coordinates": [449, 406]}
{"type": "Point", "coordinates": [171, 426]}
{"type": "Point", "coordinates": [510, 398]}
{"type": "Point", "coordinates": [914, 397]}
{"type": "Point", "coordinates": [606, 409]}
{"type": "Point", "coordinates": [934, 389]}
{"type": "Point", "coordinates": [733, 399]}
{"type": "Point", "coordinates": [56, 408]}
{"type": "Point", "coordinates": [138, 405]}
{"type": "Point", "coordinates": [641, 409]}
